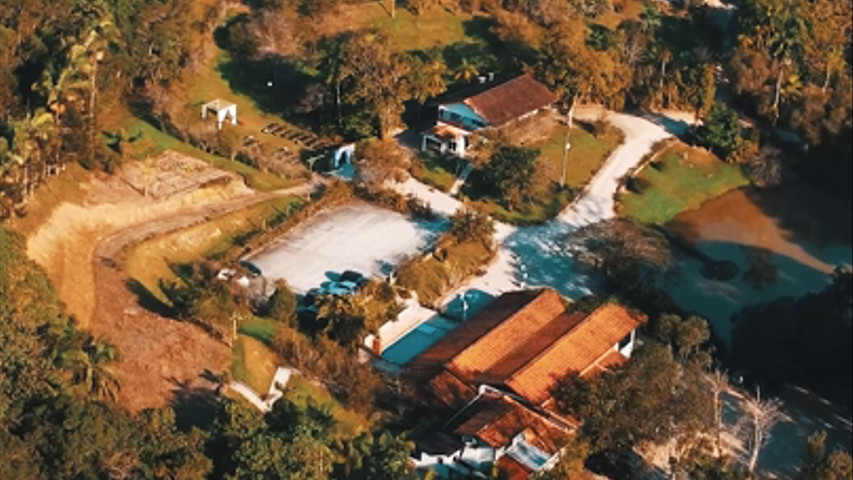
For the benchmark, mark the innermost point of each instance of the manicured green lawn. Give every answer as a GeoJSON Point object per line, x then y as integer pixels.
{"type": "Point", "coordinates": [588, 154]}
{"type": "Point", "coordinates": [434, 171]}
{"type": "Point", "coordinates": [262, 329]}
{"type": "Point", "coordinates": [687, 178]}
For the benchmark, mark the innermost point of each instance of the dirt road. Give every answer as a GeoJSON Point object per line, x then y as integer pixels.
{"type": "Point", "coordinates": [161, 359]}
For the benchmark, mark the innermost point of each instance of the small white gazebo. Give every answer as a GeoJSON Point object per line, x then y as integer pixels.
{"type": "Point", "coordinates": [223, 111]}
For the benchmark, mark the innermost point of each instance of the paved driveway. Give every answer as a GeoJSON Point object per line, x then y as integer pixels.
{"type": "Point", "coordinates": [357, 236]}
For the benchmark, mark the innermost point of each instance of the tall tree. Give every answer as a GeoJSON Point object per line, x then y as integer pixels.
{"type": "Point", "coordinates": [90, 365]}
{"type": "Point", "coordinates": [576, 72]}
{"type": "Point", "coordinates": [378, 78]}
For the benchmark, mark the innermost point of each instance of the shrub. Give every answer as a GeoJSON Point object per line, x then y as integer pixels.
{"type": "Point", "coordinates": [637, 185]}
{"type": "Point", "coordinates": [469, 224]}
{"type": "Point", "coordinates": [282, 304]}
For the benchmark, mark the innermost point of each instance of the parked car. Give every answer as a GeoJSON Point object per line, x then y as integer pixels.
{"type": "Point", "coordinates": [352, 276]}
{"type": "Point", "coordinates": [251, 267]}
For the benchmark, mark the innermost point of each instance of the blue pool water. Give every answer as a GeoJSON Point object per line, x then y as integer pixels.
{"type": "Point", "coordinates": [418, 340]}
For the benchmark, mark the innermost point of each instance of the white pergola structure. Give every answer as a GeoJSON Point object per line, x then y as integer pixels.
{"type": "Point", "coordinates": [223, 111]}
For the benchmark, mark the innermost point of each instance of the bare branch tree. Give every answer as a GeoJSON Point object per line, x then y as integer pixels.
{"type": "Point", "coordinates": [761, 417]}
{"type": "Point", "coordinates": [719, 384]}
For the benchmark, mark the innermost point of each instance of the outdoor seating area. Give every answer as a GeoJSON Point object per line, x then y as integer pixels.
{"type": "Point", "coordinates": [295, 135]}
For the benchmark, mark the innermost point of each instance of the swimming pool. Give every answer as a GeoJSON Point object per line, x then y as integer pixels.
{"type": "Point", "coordinates": [419, 339]}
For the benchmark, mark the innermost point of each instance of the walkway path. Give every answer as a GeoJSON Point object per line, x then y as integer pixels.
{"type": "Point", "coordinates": [533, 255]}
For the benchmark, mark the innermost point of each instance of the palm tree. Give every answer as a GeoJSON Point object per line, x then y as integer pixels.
{"type": "Point", "coordinates": [466, 71]}
{"type": "Point", "coordinates": [90, 366]}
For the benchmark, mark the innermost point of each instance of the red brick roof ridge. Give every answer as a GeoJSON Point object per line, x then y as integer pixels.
{"type": "Point", "coordinates": [493, 333]}
{"type": "Point", "coordinates": [575, 328]}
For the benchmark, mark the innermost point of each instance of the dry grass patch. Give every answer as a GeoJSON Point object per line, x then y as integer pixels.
{"type": "Point", "coordinates": [149, 261]}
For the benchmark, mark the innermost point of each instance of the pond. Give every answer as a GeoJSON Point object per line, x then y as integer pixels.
{"type": "Point", "coordinates": [785, 242]}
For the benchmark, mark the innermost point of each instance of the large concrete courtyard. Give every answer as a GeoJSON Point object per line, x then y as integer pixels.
{"type": "Point", "coordinates": [357, 236]}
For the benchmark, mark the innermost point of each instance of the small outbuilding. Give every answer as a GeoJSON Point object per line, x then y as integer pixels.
{"type": "Point", "coordinates": [224, 111]}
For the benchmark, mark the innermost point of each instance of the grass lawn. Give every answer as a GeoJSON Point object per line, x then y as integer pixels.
{"type": "Point", "coordinates": [253, 364]}
{"type": "Point", "coordinates": [407, 31]}
{"type": "Point", "coordinates": [255, 178]}
{"type": "Point", "coordinates": [300, 391]}
{"type": "Point", "coordinates": [261, 329]}
{"type": "Point", "coordinates": [434, 171]}
{"type": "Point", "coordinates": [587, 155]}
{"type": "Point", "coordinates": [149, 261]}
{"type": "Point", "coordinates": [686, 178]}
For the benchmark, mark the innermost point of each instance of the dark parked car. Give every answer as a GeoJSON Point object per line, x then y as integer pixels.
{"type": "Point", "coordinates": [354, 277]}
{"type": "Point", "coordinates": [251, 267]}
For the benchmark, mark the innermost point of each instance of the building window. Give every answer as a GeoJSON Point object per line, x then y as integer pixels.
{"type": "Point", "coordinates": [625, 342]}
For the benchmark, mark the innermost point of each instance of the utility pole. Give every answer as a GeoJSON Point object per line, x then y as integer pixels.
{"type": "Point", "coordinates": [566, 142]}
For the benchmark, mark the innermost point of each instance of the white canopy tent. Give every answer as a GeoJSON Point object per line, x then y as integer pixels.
{"type": "Point", "coordinates": [223, 111]}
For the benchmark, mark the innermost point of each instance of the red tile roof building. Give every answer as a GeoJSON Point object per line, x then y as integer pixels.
{"type": "Point", "coordinates": [523, 342]}
{"type": "Point", "coordinates": [499, 368]}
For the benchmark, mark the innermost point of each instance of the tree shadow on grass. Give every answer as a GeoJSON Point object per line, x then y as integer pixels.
{"type": "Point", "coordinates": [275, 84]}
{"type": "Point", "coordinates": [147, 300]}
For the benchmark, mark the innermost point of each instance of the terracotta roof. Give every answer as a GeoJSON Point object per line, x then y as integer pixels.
{"type": "Point", "coordinates": [451, 390]}
{"type": "Point", "coordinates": [496, 420]}
{"type": "Point", "coordinates": [577, 351]}
{"type": "Point", "coordinates": [524, 340]}
{"type": "Point", "coordinates": [508, 364]}
{"type": "Point", "coordinates": [510, 469]}
{"type": "Point", "coordinates": [612, 359]}
{"type": "Point", "coordinates": [510, 100]}
{"type": "Point", "coordinates": [504, 309]}
{"type": "Point", "coordinates": [505, 336]}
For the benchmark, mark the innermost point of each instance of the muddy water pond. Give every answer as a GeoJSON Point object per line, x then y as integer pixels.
{"type": "Point", "coordinates": [785, 241]}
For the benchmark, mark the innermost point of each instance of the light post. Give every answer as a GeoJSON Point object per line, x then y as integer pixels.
{"type": "Point", "coordinates": [464, 307]}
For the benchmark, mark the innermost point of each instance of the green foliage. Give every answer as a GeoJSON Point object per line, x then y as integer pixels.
{"type": "Point", "coordinates": [47, 428]}
{"type": "Point", "coordinates": [721, 130]}
{"type": "Point", "coordinates": [451, 262]}
{"type": "Point", "coordinates": [376, 456]}
{"type": "Point", "coordinates": [512, 172]}
{"type": "Point", "coordinates": [652, 398]}
{"type": "Point", "coordinates": [282, 304]}
{"type": "Point", "coordinates": [469, 224]}
{"type": "Point", "coordinates": [822, 465]}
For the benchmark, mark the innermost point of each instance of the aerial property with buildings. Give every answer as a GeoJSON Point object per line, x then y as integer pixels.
{"type": "Point", "coordinates": [426, 240]}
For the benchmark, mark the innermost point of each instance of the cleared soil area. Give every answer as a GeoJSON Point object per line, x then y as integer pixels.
{"type": "Point", "coordinates": [64, 244]}
{"type": "Point", "coordinates": [80, 244]}
{"type": "Point", "coordinates": [357, 236]}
